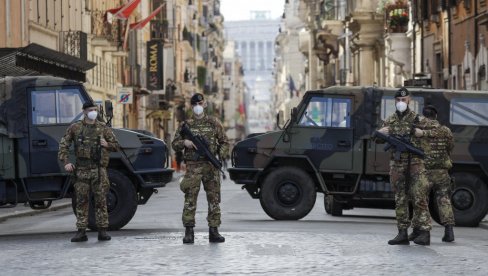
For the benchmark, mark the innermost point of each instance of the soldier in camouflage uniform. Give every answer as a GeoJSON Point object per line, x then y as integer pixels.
{"type": "Point", "coordinates": [92, 142]}
{"type": "Point", "coordinates": [200, 170]}
{"type": "Point", "coordinates": [405, 122]}
{"type": "Point", "coordinates": [439, 144]}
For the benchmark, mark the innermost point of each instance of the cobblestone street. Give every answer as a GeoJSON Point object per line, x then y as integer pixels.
{"type": "Point", "coordinates": [354, 244]}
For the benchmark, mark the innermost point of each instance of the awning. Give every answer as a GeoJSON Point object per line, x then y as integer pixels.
{"type": "Point", "coordinates": [35, 59]}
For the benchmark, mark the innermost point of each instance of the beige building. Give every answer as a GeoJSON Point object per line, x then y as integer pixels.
{"type": "Point", "coordinates": [186, 36]}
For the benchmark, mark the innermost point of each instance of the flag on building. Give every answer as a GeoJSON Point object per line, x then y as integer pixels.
{"type": "Point", "coordinates": [123, 12]}
{"type": "Point", "coordinates": [139, 25]}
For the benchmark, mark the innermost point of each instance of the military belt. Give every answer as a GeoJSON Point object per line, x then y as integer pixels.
{"type": "Point", "coordinates": [87, 163]}
{"type": "Point", "coordinates": [193, 162]}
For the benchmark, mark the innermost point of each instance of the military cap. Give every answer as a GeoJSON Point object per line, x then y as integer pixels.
{"type": "Point", "coordinates": [402, 92]}
{"type": "Point", "coordinates": [88, 105]}
{"type": "Point", "coordinates": [429, 111]}
{"type": "Point", "coordinates": [197, 97]}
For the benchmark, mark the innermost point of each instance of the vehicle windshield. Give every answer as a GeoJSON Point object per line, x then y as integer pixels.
{"type": "Point", "coordinates": [323, 111]}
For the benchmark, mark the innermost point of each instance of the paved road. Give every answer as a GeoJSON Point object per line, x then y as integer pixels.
{"type": "Point", "coordinates": [319, 244]}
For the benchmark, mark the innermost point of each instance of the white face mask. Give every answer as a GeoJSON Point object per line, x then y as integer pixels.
{"type": "Point", "coordinates": [92, 115]}
{"type": "Point", "coordinates": [198, 109]}
{"type": "Point", "coordinates": [401, 106]}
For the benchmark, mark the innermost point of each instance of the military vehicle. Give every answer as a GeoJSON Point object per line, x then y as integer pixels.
{"type": "Point", "coordinates": [35, 112]}
{"type": "Point", "coordinates": [326, 147]}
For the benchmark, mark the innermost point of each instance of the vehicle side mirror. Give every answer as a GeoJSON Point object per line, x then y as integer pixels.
{"type": "Point", "coordinates": [109, 109]}
{"type": "Point", "coordinates": [279, 120]}
{"type": "Point", "coordinates": [294, 114]}
{"type": "Point", "coordinates": [109, 112]}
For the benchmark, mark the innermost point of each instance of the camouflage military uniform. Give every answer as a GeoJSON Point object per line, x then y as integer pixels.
{"type": "Point", "coordinates": [438, 147]}
{"type": "Point", "coordinates": [419, 185]}
{"type": "Point", "coordinates": [86, 139]}
{"type": "Point", "coordinates": [199, 170]}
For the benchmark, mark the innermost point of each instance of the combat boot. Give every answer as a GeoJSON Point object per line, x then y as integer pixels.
{"type": "Point", "coordinates": [414, 234]}
{"type": "Point", "coordinates": [448, 234]}
{"type": "Point", "coordinates": [80, 236]}
{"type": "Point", "coordinates": [423, 238]}
{"type": "Point", "coordinates": [102, 235]}
{"type": "Point", "coordinates": [401, 238]}
{"type": "Point", "coordinates": [214, 235]}
{"type": "Point", "coordinates": [189, 235]}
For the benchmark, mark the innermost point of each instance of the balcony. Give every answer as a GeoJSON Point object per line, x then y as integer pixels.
{"type": "Point", "coordinates": [73, 43]}
{"type": "Point", "coordinates": [105, 33]}
{"type": "Point", "coordinates": [162, 31]}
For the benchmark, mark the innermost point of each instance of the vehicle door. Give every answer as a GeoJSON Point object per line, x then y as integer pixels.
{"type": "Point", "coordinates": [323, 132]}
{"type": "Point", "coordinates": [52, 110]}
{"type": "Point", "coordinates": [377, 160]}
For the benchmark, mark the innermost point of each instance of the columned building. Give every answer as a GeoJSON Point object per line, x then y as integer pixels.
{"type": "Point", "coordinates": [254, 42]}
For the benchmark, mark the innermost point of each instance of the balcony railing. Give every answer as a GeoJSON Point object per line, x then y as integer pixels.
{"type": "Point", "coordinates": [113, 32]}
{"type": "Point", "coordinates": [161, 30]}
{"type": "Point", "coordinates": [73, 43]}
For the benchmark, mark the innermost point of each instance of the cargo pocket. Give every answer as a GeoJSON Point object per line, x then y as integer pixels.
{"type": "Point", "coordinates": [185, 184]}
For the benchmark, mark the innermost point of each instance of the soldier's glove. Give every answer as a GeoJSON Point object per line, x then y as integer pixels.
{"type": "Point", "coordinates": [418, 132]}
{"type": "Point", "coordinates": [189, 144]}
{"type": "Point", "coordinates": [384, 130]}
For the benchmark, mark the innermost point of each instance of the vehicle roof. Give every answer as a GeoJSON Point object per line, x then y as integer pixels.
{"type": "Point", "coordinates": [39, 80]}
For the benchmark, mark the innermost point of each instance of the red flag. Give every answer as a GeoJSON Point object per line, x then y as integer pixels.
{"type": "Point", "coordinates": [126, 10]}
{"type": "Point", "coordinates": [139, 25]}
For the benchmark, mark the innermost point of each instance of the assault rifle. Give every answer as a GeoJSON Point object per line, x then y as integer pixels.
{"type": "Point", "coordinates": [202, 146]}
{"type": "Point", "coordinates": [399, 145]}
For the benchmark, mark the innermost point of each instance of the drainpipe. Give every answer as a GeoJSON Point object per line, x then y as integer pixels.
{"type": "Point", "coordinates": [414, 54]}
{"type": "Point", "coordinates": [22, 22]}
{"type": "Point", "coordinates": [449, 41]}
{"type": "Point", "coordinates": [476, 38]}
{"type": "Point", "coordinates": [422, 46]}
{"type": "Point", "coordinates": [7, 22]}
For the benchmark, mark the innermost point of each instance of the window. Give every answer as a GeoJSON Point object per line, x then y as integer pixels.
{"type": "Point", "coordinates": [227, 68]}
{"type": "Point", "coordinates": [472, 112]}
{"type": "Point", "coordinates": [388, 105]}
{"type": "Point", "coordinates": [56, 106]}
{"type": "Point", "coordinates": [327, 112]}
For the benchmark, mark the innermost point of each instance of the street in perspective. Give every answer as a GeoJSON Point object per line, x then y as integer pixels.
{"type": "Point", "coordinates": [319, 244]}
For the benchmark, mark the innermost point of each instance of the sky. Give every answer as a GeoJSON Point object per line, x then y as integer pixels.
{"type": "Point", "coordinates": [240, 9]}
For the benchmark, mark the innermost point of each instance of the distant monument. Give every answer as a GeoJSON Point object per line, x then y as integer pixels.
{"type": "Point", "coordinates": [260, 15]}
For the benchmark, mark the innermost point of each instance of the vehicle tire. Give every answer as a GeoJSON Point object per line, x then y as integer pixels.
{"type": "Point", "coordinates": [332, 206]}
{"type": "Point", "coordinates": [121, 202]}
{"type": "Point", "coordinates": [469, 199]}
{"type": "Point", "coordinates": [287, 193]}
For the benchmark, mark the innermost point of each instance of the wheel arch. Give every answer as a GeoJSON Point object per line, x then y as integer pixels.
{"type": "Point", "coordinates": [474, 168]}
{"type": "Point", "coordinates": [299, 161]}
{"type": "Point", "coordinates": [471, 172]}
{"type": "Point", "coordinates": [120, 166]}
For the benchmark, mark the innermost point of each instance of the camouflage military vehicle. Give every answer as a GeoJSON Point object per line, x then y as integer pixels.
{"type": "Point", "coordinates": [326, 147]}
{"type": "Point", "coordinates": [34, 114]}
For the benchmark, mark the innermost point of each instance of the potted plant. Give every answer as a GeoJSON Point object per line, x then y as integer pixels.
{"type": "Point", "coordinates": [396, 15]}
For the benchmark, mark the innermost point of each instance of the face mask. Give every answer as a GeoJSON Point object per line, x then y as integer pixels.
{"type": "Point", "coordinates": [198, 109]}
{"type": "Point", "coordinates": [92, 115]}
{"type": "Point", "coordinates": [401, 106]}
